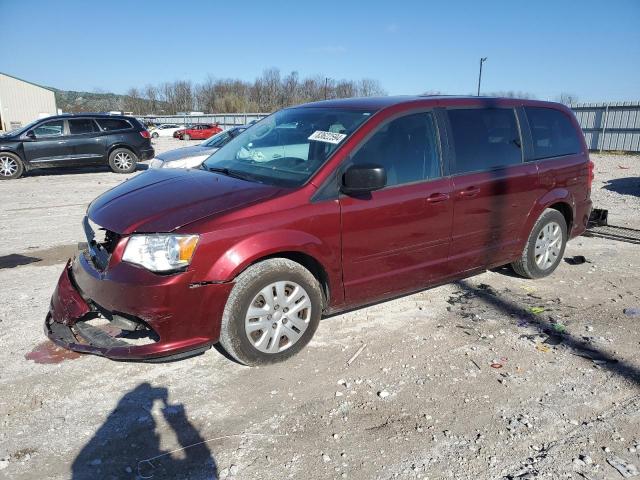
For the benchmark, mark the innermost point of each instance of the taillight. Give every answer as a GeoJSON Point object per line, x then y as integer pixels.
{"type": "Point", "coordinates": [145, 134]}
{"type": "Point", "coordinates": [591, 174]}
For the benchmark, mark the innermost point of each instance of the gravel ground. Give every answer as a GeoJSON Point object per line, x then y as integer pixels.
{"type": "Point", "coordinates": [491, 377]}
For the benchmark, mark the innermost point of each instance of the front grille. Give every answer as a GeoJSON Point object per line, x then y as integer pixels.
{"type": "Point", "coordinates": [101, 243]}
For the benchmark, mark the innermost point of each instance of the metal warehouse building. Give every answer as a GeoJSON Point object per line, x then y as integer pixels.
{"type": "Point", "coordinates": [22, 102]}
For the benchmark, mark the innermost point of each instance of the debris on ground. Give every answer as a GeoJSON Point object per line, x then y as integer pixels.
{"type": "Point", "coordinates": [626, 469]}
{"type": "Point", "coordinates": [632, 312]}
{"type": "Point", "coordinates": [576, 260]}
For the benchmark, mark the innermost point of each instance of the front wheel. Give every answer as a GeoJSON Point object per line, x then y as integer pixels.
{"type": "Point", "coordinates": [155, 135]}
{"type": "Point", "coordinates": [545, 246]}
{"type": "Point", "coordinates": [10, 166]}
{"type": "Point", "coordinates": [123, 160]}
{"type": "Point", "coordinates": [272, 312]}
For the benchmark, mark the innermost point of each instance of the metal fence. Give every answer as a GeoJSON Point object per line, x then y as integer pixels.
{"type": "Point", "coordinates": [606, 126]}
{"type": "Point", "coordinates": [610, 126]}
{"type": "Point", "coordinates": [225, 120]}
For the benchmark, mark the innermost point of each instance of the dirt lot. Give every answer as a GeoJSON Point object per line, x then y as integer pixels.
{"type": "Point", "coordinates": [491, 377]}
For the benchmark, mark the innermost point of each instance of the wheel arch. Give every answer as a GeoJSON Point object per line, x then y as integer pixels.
{"type": "Point", "coordinates": [121, 145]}
{"type": "Point", "coordinates": [300, 247]}
{"type": "Point", "coordinates": [559, 199]}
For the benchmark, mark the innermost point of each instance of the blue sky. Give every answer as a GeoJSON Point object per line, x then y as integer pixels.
{"type": "Point", "coordinates": [587, 48]}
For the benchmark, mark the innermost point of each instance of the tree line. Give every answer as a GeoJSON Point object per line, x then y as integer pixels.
{"type": "Point", "coordinates": [269, 92]}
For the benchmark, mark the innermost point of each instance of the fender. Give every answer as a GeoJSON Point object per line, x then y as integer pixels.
{"type": "Point", "coordinates": [237, 258]}
{"type": "Point", "coordinates": [557, 195]}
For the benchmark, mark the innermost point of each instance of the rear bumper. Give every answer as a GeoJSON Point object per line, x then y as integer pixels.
{"type": "Point", "coordinates": [184, 317]}
{"type": "Point", "coordinates": [146, 153]}
{"type": "Point", "coordinates": [581, 219]}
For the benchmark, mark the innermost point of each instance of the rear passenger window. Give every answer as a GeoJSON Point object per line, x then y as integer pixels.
{"type": "Point", "coordinates": [484, 139]}
{"type": "Point", "coordinates": [113, 124]}
{"type": "Point", "coordinates": [552, 132]}
{"type": "Point", "coordinates": [81, 125]}
{"type": "Point", "coordinates": [406, 147]}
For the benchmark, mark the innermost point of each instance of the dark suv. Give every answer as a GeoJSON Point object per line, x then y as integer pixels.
{"type": "Point", "coordinates": [75, 140]}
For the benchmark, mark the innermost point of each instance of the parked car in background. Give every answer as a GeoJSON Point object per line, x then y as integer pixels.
{"type": "Point", "coordinates": [198, 131]}
{"type": "Point", "coordinates": [75, 140]}
{"type": "Point", "coordinates": [192, 157]}
{"type": "Point", "coordinates": [367, 199]}
{"type": "Point", "coordinates": [165, 130]}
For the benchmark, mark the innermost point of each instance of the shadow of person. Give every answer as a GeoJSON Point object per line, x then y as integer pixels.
{"type": "Point", "coordinates": [127, 444]}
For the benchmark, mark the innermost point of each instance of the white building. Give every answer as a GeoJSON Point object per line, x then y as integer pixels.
{"type": "Point", "coordinates": [22, 102]}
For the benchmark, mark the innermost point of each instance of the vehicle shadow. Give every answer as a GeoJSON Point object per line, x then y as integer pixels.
{"type": "Point", "coordinates": [577, 345]}
{"type": "Point", "coordinates": [624, 186]}
{"type": "Point", "coordinates": [128, 444]}
{"type": "Point", "coordinates": [55, 171]}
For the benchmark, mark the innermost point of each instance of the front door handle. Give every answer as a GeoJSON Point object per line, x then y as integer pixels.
{"type": "Point", "coordinates": [469, 192]}
{"type": "Point", "coordinates": [438, 197]}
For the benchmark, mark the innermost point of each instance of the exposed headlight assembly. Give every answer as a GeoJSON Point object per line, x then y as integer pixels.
{"type": "Point", "coordinates": [160, 252]}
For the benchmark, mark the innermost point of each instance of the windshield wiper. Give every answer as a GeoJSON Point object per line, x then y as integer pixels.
{"type": "Point", "coordinates": [231, 173]}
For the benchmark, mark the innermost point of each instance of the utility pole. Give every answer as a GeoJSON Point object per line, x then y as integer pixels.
{"type": "Point", "coordinates": [326, 81]}
{"type": "Point", "coordinates": [482, 60]}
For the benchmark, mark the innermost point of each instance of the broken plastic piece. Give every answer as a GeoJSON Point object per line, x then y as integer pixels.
{"type": "Point", "coordinates": [536, 310]}
{"type": "Point", "coordinates": [632, 312]}
{"type": "Point", "coordinates": [576, 260]}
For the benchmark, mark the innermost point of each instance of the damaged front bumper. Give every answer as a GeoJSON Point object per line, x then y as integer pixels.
{"type": "Point", "coordinates": [128, 313]}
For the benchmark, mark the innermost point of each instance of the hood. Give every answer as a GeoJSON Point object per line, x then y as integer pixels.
{"type": "Point", "coordinates": [185, 152]}
{"type": "Point", "coordinates": [164, 200]}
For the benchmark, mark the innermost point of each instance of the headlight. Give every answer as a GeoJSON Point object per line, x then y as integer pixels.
{"type": "Point", "coordinates": [155, 163]}
{"type": "Point", "coordinates": [160, 252]}
{"type": "Point", "coordinates": [190, 162]}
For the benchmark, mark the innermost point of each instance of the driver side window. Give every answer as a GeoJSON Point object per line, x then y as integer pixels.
{"type": "Point", "coordinates": [54, 128]}
{"type": "Point", "coordinates": [406, 147]}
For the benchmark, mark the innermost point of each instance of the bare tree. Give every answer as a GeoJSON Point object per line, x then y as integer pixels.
{"type": "Point", "coordinates": [567, 98]}
{"type": "Point", "coordinates": [370, 88]}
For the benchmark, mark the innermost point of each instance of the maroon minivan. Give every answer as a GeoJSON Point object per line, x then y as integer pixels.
{"type": "Point", "coordinates": [316, 209]}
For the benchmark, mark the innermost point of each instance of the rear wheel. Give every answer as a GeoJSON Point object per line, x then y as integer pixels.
{"type": "Point", "coordinates": [154, 134]}
{"type": "Point", "coordinates": [186, 136]}
{"type": "Point", "coordinates": [545, 246]}
{"type": "Point", "coordinates": [123, 160]}
{"type": "Point", "coordinates": [272, 312]}
{"type": "Point", "coordinates": [10, 166]}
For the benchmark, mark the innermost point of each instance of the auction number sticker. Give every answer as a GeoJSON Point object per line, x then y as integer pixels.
{"type": "Point", "coordinates": [328, 137]}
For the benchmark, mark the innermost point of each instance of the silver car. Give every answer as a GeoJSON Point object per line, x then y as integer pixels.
{"type": "Point", "coordinates": [192, 157]}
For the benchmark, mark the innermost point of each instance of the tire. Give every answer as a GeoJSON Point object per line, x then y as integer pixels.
{"type": "Point", "coordinates": [155, 135]}
{"type": "Point", "coordinates": [123, 160]}
{"type": "Point", "coordinates": [186, 136]}
{"type": "Point", "coordinates": [241, 335]}
{"type": "Point", "coordinates": [11, 166]}
{"type": "Point", "coordinates": [548, 230]}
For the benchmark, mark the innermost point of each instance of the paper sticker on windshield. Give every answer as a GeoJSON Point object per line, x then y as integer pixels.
{"type": "Point", "coordinates": [328, 137]}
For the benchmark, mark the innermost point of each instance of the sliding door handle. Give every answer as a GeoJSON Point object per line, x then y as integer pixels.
{"type": "Point", "coordinates": [469, 192]}
{"type": "Point", "coordinates": [438, 197]}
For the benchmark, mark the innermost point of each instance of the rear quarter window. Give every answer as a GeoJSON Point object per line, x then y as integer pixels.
{"type": "Point", "coordinates": [110, 124]}
{"type": "Point", "coordinates": [552, 132]}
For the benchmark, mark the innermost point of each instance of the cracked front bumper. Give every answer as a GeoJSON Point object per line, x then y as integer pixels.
{"type": "Point", "coordinates": [184, 317]}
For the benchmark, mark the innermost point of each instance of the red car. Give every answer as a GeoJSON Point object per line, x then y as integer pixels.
{"type": "Point", "coordinates": [318, 209]}
{"type": "Point", "coordinates": [198, 131]}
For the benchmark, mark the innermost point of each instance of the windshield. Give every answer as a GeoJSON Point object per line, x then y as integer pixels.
{"type": "Point", "coordinates": [217, 140]}
{"type": "Point", "coordinates": [286, 148]}
{"type": "Point", "coordinates": [21, 130]}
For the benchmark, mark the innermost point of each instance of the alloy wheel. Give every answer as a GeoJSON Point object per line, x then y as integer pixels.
{"type": "Point", "coordinates": [8, 166]}
{"type": "Point", "coordinates": [548, 245]}
{"type": "Point", "coordinates": [123, 160]}
{"type": "Point", "coordinates": [278, 316]}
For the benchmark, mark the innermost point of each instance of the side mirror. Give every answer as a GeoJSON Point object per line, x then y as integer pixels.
{"type": "Point", "coordinates": [30, 135]}
{"type": "Point", "coordinates": [364, 178]}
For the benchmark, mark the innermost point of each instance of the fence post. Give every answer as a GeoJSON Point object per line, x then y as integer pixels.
{"type": "Point", "coordinates": [604, 126]}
